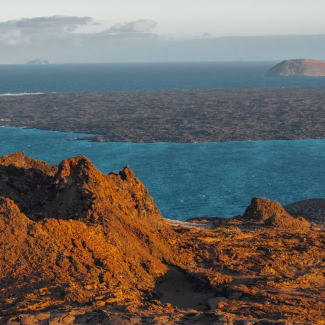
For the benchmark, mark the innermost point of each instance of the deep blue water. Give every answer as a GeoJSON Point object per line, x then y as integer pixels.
{"type": "Point", "coordinates": [194, 179]}
{"type": "Point", "coordinates": [149, 76]}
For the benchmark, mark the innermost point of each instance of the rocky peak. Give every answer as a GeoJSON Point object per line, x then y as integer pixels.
{"type": "Point", "coordinates": [75, 167]}
{"type": "Point", "coordinates": [271, 213]}
{"type": "Point", "coordinates": [80, 226]}
{"type": "Point", "coordinates": [262, 209]}
{"type": "Point", "coordinates": [126, 173]}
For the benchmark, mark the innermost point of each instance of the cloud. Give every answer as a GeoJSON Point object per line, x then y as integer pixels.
{"type": "Point", "coordinates": [65, 28]}
{"type": "Point", "coordinates": [60, 39]}
{"type": "Point", "coordinates": [27, 30]}
{"type": "Point", "coordinates": [13, 37]}
{"type": "Point", "coordinates": [138, 26]}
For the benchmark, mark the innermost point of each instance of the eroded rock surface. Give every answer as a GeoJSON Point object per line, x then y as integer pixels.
{"type": "Point", "coordinates": [81, 247]}
{"type": "Point", "coordinates": [69, 233]}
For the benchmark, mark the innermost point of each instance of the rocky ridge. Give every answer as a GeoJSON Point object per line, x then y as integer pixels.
{"type": "Point", "coordinates": [77, 232]}
{"type": "Point", "coordinates": [81, 247]}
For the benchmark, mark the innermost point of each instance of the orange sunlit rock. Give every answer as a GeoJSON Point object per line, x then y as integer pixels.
{"type": "Point", "coordinates": [81, 247]}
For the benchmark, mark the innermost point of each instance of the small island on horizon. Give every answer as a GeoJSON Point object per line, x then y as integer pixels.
{"type": "Point", "coordinates": [38, 62]}
{"type": "Point", "coordinates": [298, 67]}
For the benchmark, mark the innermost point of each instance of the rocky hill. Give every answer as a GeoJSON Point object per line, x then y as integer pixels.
{"type": "Point", "coordinates": [77, 232]}
{"type": "Point", "coordinates": [81, 247]}
{"type": "Point", "coordinates": [298, 67]}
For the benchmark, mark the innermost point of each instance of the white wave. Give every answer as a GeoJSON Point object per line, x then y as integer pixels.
{"type": "Point", "coordinates": [24, 94]}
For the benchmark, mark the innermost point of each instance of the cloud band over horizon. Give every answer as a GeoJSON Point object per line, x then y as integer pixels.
{"type": "Point", "coordinates": [58, 39]}
{"type": "Point", "coordinates": [31, 30]}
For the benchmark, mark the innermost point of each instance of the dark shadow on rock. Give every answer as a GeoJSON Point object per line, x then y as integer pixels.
{"type": "Point", "coordinates": [28, 188]}
{"type": "Point", "coordinates": [183, 291]}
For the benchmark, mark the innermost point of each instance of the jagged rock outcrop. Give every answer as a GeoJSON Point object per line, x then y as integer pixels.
{"type": "Point", "coordinates": [298, 67]}
{"type": "Point", "coordinates": [75, 232]}
{"type": "Point", "coordinates": [268, 213]}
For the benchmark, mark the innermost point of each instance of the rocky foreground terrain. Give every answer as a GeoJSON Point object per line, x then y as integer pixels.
{"type": "Point", "coordinates": [197, 115]}
{"type": "Point", "coordinates": [81, 247]}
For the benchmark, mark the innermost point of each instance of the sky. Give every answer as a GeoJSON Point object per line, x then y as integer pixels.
{"type": "Point", "coordinates": [106, 29]}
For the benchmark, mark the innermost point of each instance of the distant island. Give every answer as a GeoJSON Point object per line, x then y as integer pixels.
{"type": "Point", "coordinates": [38, 62]}
{"type": "Point", "coordinates": [298, 67]}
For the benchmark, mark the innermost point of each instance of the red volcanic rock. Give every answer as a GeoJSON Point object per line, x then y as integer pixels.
{"type": "Point", "coordinates": [81, 247]}
{"type": "Point", "coordinates": [298, 67]}
{"type": "Point", "coordinates": [66, 168]}
{"type": "Point", "coordinates": [273, 214]}
{"type": "Point", "coordinates": [20, 160]}
{"type": "Point", "coordinates": [79, 231]}
{"type": "Point", "coordinates": [262, 209]}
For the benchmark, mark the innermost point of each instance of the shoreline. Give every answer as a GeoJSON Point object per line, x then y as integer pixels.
{"type": "Point", "coordinates": [98, 138]}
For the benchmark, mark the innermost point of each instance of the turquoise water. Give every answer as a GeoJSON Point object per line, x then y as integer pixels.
{"type": "Point", "coordinates": [149, 76]}
{"type": "Point", "coordinates": [193, 179]}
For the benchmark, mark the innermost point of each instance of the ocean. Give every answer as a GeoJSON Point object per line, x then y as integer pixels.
{"type": "Point", "coordinates": [185, 180]}
{"type": "Point", "coordinates": [193, 179]}
{"type": "Point", "coordinates": [153, 76]}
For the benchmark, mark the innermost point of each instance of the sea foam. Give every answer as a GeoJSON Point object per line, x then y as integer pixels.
{"type": "Point", "coordinates": [24, 94]}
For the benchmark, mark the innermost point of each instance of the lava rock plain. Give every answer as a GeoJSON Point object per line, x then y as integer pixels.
{"type": "Point", "coordinates": [198, 115]}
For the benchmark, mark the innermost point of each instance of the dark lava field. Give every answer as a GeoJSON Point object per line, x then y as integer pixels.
{"type": "Point", "coordinates": [199, 115]}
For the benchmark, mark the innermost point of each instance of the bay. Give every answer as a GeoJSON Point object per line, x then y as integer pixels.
{"type": "Point", "coordinates": [193, 179]}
